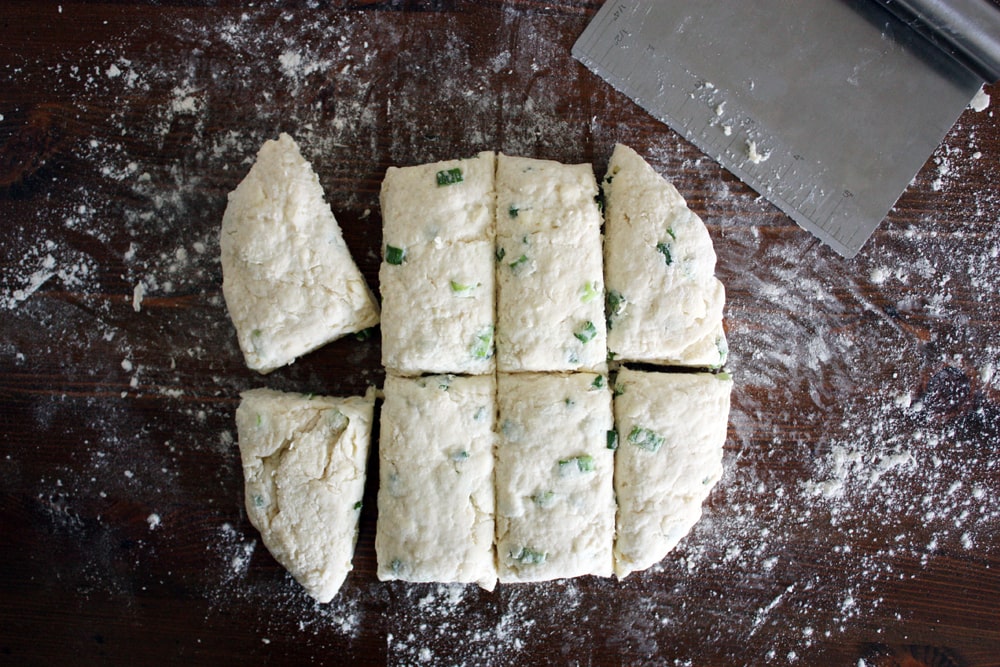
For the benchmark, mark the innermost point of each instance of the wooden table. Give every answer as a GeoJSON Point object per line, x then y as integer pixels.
{"type": "Point", "coordinates": [857, 521]}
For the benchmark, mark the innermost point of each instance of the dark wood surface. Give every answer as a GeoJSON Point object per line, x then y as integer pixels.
{"type": "Point", "coordinates": [857, 521]}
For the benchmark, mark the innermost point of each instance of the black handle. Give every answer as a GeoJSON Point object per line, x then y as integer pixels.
{"type": "Point", "coordinates": [967, 29]}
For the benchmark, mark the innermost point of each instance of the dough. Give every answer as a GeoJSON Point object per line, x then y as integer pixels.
{"type": "Point", "coordinates": [554, 476]}
{"type": "Point", "coordinates": [437, 310]}
{"type": "Point", "coordinates": [437, 273]}
{"type": "Point", "coordinates": [435, 499]}
{"type": "Point", "coordinates": [289, 280]}
{"type": "Point", "coordinates": [664, 304]}
{"type": "Point", "coordinates": [671, 431]}
{"type": "Point", "coordinates": [304, 467]}
{"type": "Point", "coordinates": [550, 283]}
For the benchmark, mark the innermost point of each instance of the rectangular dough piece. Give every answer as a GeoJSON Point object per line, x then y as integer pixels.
{"type": "Point", "coordinates": [438, 310]}
{"type": "Point", "coordinates": [554, 477]}
{"type": "Point", "coordinates": [664, 303]}
{"type": "Point", "coordinates": [290, 283]}
{"type": "Point", "coordinates": [304, 468]}
{"type": "Point", "coordinates": [450, 201]}
{"type": "Point", "coordinates": [671, 432]}
{"type": "Point", "coordinates": [550, 279]}
{"type": "Point", "coordinates": [435, 498]}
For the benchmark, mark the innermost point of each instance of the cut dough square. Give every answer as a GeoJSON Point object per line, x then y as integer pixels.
{"type": "Point", "coordinates": [554, 477]}
{"type": "Point", "coordinates": [664, 304]}
{"type": "Point", "coordinates": [558, 201]}
{"type": "Point", "coordinates": [450, 201]}
{"type": "Point", "coordinates": [435, 499]}
{"type": "Point", "coordinates": [671, 431]}
{"type": "Point", "coordinates": [550, 308]}
{"type": "Point", "coordinates": [550, 287]}
{"type": "Point", "coordinates": [304, 467]}
{"type": "Point", "coordinates": [290, 283]}
{"type": "Point", "coordinates": [438, 310]}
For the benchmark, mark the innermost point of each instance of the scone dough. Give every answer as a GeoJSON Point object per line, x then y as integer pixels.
{"type": "Point", "coordinates": [664, 303]}
{"type": "Point", "coordinates": [435, 498]}
{"type": "Point", "coordinates": [289, 280]}
{"type": "Point", "coordinates": [437, 273]}
{"type": "Point", "coordinates": [304, 467]}
{"type": "Point", "coordinates": [550, 282]}
{"type": "Point", "coordinates": [554, 475]}
{"type": "Point", "coordinates": [671, 431]}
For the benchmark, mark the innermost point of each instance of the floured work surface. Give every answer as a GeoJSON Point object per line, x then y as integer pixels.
{"type": "Point", "coordinates": [856, 511]}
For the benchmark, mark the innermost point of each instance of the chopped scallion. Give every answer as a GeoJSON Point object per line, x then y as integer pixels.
{"type": "Point", "coordinates": [528, 556]}
{"type": "Point", "coordinates": [598, 383]}
{"type": "Point", "coordinates": [612, 439]}
{"type": "Point", "coordinates": [482, 346]}
{"type": "Point", "coordinates": [644, 438]}
{"type": "Point", "coordinates": [394, 255]}
{"type": "Point", "coordinates": [664, 249]}
{"type": "Point", "coordinates": [586, 333]}
{"type": "Point", "coordinates": [583, 463]}
{"type": "Point", "coordinates": [590, 292]}
{"type": "Point", "coordinates": [449, 176]}
{"type": "Point", "coordinates": [519, 262]}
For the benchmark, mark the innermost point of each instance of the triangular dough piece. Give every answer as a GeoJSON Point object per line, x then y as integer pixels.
{"type": "Point", "coordinates": [304, 464]}
{"type": "Point", "coordinates": [671, 431]}
{"type": "Point", "coordinates": [664, 304]}
{"type": "Point", "coordinates": [289, 280]}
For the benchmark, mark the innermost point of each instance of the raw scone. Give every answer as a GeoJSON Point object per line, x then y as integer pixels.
{"type": "Point", "coordinates": [435, 498]}
{"type": "Point", "coordinates": [554, 476]}
{"type": "Point", "coordinates": [450, 201]}
{"type": "Point", "coordinates": [437, 272]}
{"type": "Point", "coordinates": [671, 431]}
{"type": "Point", "coordinates": [304, 465]}
{"type": "Point", "coordinates": [550, 282]}
{"type": "Point", "coordinates": [437, 310]}
{"type": "Point", "coordinates": [289, 280]}
{"type": "Point", "coordinates": [664, 304]}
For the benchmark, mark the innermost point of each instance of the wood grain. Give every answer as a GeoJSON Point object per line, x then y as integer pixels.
{"type": "Point", "coordinates": [124, 125]}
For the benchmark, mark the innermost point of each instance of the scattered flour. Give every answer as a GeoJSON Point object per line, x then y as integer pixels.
{"type": "Point", "coordinates": [909, 455]}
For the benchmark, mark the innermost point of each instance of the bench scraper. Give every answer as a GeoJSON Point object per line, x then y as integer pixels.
{"type": "Point", "coordinates": [828, 108]}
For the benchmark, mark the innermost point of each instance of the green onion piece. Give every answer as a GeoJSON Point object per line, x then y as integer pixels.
{"type": "Point", "coordinates": [673, 235]}
{"type": "Point", "coordinates": [723, 376]}
{"type": "Point", "coordinates": [501, 253]}
{"type": "Point", "coordinates": [357, 505]}
{"type": "Point", "coordinates": [460, 288]}
{"type": "Point", "coordinates": [365, 334]}
{"type": "Point", "coordinates": [396, 566]}
{"type": "Point", "coordinates": [513, 211]}
{"type": "Point", "coordinates": [723, 347]}
{"type": "Point", "coordinates": [482, 346]}
{"type": "Point", "coordinates": [544, 499]}
{"type": "Point", "coordinates": [258, 500]}
{"type": "Point", "coordinates": [584, 463]}
{"type": "Point", "coordinates": [394, 255]}
{"type": "Point", "coordinates": [590, 292]}
{"type": "Point", "coordinates": [664, 249]}
{"type": "Point", "coordinates": [586, 333]}
{"type": "Point", "coordinates": [612, 439]}
{"type": "Point", "coordinates": [458, 457]}
{"type": "Point", "coordinates": [260, 419]}
{"type": "Point", "coordinates": [449, 176]}
{"type": "Point", "coordinates": [643, 438]}
{"type": "Point", "coordinates": [529, 556]}
{"type": "Point", "coordinates": [598, 383]}
{"type": "Point", "coordinates": [619, 389]}
{"type": "Point", "coordinates": [615, 303]}
{"type": "Point", "coordinates": [520, 261]}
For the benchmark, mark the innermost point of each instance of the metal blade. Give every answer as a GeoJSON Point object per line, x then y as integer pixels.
{"type": "Point", "coordinates": [828, 108]}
